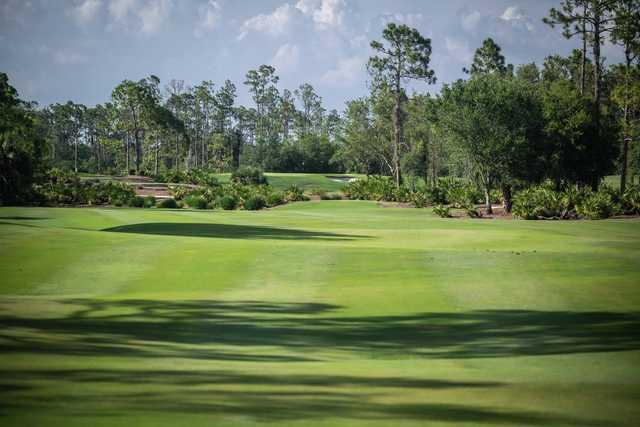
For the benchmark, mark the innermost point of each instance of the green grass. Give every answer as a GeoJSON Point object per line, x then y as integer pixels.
{"type": "Point", "coordinates": [317, 313]}
{"type": "Point", "coordinates": [306, 181]}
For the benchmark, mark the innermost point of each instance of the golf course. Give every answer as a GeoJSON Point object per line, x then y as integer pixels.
{"type": "Point", "coordinates": [316, 313]}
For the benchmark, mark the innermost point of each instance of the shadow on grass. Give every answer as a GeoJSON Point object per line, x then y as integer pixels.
{"type": "Point", "coordinates": [266, 397]}
{"type": "Point", "coordinates": [261, 331]}
{"type": "Point", "coordinates": [279, 332]}
{"type": "Point", "coordinates": [228, 231]}
{"type": "Point", "coordinates": [23, 218]}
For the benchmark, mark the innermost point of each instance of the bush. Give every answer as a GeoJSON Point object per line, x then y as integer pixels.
{"type": "Point", "coordinates": [318, 192]}
{"type": "Point", "coordinates": [248, 175]}
{"type": "Point", "coordinates": [196, 202]}
{"type": "Point", "coordinates": [630, 200]}
{"type": "Point", "coordinates": [294, 194]}
{"type": "Point", "coordinates": [61, 187]}
{"type": "Point", "coordinates": [598, 205]}
{"type": "Point", "coordinates": [442, 211]}
{"type": "Point", "coordinates": [275, 199]}
{"type": "Point", "coordinates": [543, 202]}
{"type": "Point", "coordinates": [254, 203]}
{"type": "Point", "coordinates": [227, 203]}
{"type": "Point", "coordinates": [331, 196]}
{"type": "Point", "coordinates": [149, 201]}
{"type": "Point", "coordinates": [420, 199]}
{"type": "Point", "coordinates": [168, 204]}
{"type": "Point", "coordinates": [137, 202]}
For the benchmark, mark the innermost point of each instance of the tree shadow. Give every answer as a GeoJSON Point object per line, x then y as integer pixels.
{"type": "Point", "coordinates": [273, 332]}
{"type": "Point", "coordinates": [228, 231]}
{"type": "Point", "coordinates": [24, 218]}
{"type": "Point", "coordinates": [207, 329]}
{"type": "Point", "coordinates": [261, 397]}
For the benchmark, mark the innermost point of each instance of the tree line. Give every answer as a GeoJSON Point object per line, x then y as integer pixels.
{"type": "Point", "coordinates": [570, 120]}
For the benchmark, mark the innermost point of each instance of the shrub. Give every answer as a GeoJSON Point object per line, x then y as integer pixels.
{"type": "Point", "coordinates": [630, 200]}
{"type": "Point", "coordinates": [598, 205]}
{"type": "Point", "coordinates": [137, 202]}
{"type": "Point", "coordinates": [248, 175]}
{"type": "Point", "coordinates": [331, 196]}
{"type": "Point", "coordinates": [275, 199]}
{"type": "Point", "coordinates": [196, 202]}
{"type": "Point", "coordinates": [420, 199]}
{"type": "Point", "coordinates": [227, 203]}
{"type": "Point", "coordinates": [149, 202]}
{"type": "Point", "coordinates": [294, 194]}
{"type": "Point", "coordinates": [442, 211]}
{"type": "Point", "coordinates": [318, 192]}
{"type": "Point", "coordinates": [471, 211]}
{"type": "Point", "coordinates": [254, 203]}
{"type": "Point", "coordinates": [168, 204]}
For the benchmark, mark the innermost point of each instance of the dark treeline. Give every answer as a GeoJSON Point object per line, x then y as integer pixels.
{"type": "Point", "coordinates": [570, 120]}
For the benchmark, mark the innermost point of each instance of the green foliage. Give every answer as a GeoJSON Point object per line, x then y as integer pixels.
{"type": "Point", "coordinates": [331, 196]}
{"type": "Point", "coordinates": [371, 188]}
{"type": "Point", "coordinates": [193, 176]}
{"type": "Point", "coordinates": [598, 205]}
{"type": "Point", "coordinates": [254, 203]}
{"type": "Point", "coordinates": [249, 175]}
{"type": "Point", "coordinates": [294, 194]}
{"type": "Point", "coordinates": [21, 146]}
{"type": "Point", "coordinates": [544, 202]}
{"type": "Point", "coordinates": [227, 202]}
{"type": "Point", "coordinates": [630, 200]}
{"type": "Point", "coordinates": [149, 201]}
{"type": "Point", "coordinates": [196, 202]}
{"type": "Point", "coordinates": [137, 202]}
{"type": "Point", "coordinates": [317, 192]}
{"type": "Point", "coordinates": [66, 188]}
{"type": "Point", "coordinates": [168, 204]}
{"type": "Point", "coordinates": [275, 199]}
{"type": "Point", "coordinates": [442, 211]}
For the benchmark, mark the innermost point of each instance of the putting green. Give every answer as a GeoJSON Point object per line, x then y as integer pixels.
{"type": "Point", "coordinates": [316, 313]}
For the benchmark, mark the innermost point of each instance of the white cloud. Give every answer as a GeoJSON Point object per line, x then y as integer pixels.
{"type": "Point", "coordinates": [65, 57]}
{"type": "Point", "coordinates": [410, 19]}
{"type": "Point", "coordinates": [512, 13]}
{"type": "Point", "coordinates": [347, 71]}
{"type": "Point", "coordinates": [516, 17]}
{"type": "Point", "coordinates": [120, 9]}
{"type": "Point", "coordinates": [273, 23]}
{"type": "Point", "coordinates": [325, 13]}
{"type": "Point", "coordinates": [208, 18]}
{"type": "Point", "coordinates": [286, 58]}
{"type": "Point", "coordinates": [459, 50]}
{"type": "Point", "coordinates": [86, 11]}
{"type": "Point", "coordinates": [153, 14]}
{"type": "Point", "coordinates": [470, 22]}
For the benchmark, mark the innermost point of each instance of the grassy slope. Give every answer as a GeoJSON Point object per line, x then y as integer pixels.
{"type": "Point", "coordinates": [316, 313]}
{"type": "Point", "coordinates": [306, 181]}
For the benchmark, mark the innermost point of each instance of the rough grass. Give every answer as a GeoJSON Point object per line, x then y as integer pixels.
{"type": "Point", "coordinates": [318, 313]}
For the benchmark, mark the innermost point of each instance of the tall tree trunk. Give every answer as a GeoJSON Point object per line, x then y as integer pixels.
{"type": "Point", "coordinates": [126, 151]}
{"type": "Point", "coordinates": [138, 151]}
{"type": "Point", "coordinates": [75, 155]}
{"type": "Point", "coordinates": [397, 137]}
{"type": "Point", "coordinates": [583, 65]}
{"type": "Point", "coordinates": [625, 142]}
{"type": "Point", "coordinates": [506, 198]}
{"type": "Point", "coordinates": [155, 169]}
{"type": "Point", "coordinates": [487, 195]}
{"type": "Point", "coordinates": [177, 160]}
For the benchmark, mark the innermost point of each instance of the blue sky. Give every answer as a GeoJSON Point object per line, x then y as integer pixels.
{"type": "Point", "coordinates": [55, 50]}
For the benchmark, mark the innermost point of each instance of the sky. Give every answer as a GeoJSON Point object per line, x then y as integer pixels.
{"type": "Point", "coordinates": [79, 50]}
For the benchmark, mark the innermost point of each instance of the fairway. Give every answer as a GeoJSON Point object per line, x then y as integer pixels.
{"type": "Point", "coordinates": [316, 313]}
